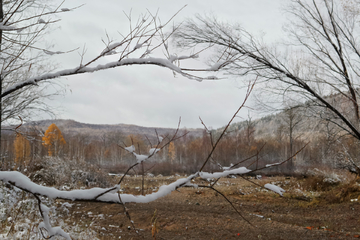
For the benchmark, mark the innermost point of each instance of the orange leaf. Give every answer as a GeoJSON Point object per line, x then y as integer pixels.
{"type": "Point", "coordinates": [356, 236]}
{"type": "Point", "coordinates": [309, 228]}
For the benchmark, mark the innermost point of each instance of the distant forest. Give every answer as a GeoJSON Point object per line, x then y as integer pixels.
{"type": "Point", "coordinates": [257, 143]}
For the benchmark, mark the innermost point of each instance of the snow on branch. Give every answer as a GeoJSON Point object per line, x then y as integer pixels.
{"type": "Point", "coordinates": [154, 150]}
{"type": "Point", "coordinates": [48, 52]}
{"type": "Point", "coordinates": [162, 62]}
{"type": "Point", "coordinates": [130, 149]}
{"type": "Point", "coordinates": [133, 49]}
{"type": "Point", "coordinates": [239, 171]}
{"type": "Point", "coordinates": [52, 231]}
{"type": "Point", "coordinates": [110, 49]}
{"type": "Point", "coordinates": [217, 66]}
{"type": "Point", "coordinates": [22, 182]}
{"type": "Point", "coordinates": [273, 164]}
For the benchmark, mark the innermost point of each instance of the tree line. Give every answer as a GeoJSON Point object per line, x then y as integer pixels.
{"type": "Point", "coordinates": [185, 155]}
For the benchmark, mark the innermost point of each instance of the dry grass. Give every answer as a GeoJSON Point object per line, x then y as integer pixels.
{"type": "Point", "coordinates": [203, 214]}
{"type": "Point", "coordinates": [342, 193]}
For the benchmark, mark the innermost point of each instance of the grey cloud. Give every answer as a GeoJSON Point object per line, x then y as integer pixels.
{"type": "Point", "coordinates": [149, 95]}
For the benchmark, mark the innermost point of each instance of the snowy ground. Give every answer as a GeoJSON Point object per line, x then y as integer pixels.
{"type": "Point", "coordinates": [190, 214]}
{"type": "Point", "coordinates": [20, 217]}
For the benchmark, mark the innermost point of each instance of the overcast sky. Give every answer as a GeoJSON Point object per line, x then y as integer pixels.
{"type": "Point", "coordinates": [149, 95]}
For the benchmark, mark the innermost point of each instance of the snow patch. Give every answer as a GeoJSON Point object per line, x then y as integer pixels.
{"type": "Point", "coordinates": [274, 188]}
{"type": "Point", "coordinates": [240, 170]}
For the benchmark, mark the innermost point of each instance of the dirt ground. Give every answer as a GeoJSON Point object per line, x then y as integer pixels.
{"type": "Point", "coordinates": [204, 214]}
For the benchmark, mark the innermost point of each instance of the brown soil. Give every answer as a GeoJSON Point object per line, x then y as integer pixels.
{"type": "Point", "coordinates": [203, 214]}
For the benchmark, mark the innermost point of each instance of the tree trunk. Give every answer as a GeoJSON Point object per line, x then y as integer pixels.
{"type": "Point", "coordinates": [1, 33]}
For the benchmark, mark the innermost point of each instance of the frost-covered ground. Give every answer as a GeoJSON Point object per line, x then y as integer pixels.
{"type": "Point", "coordinates": [20, 216]}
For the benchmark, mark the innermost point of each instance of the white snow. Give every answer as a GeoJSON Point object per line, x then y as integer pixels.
{"type": "Point", "coordinates": [23, 182]}
{"type": "Point", "coordinates": [217, 66]}
{"type": "Point", "coordinates": [257, 215]}
{"type": "Point", "coordinates": [273, 164]}
{"type": "Point", "coordinates": [124, 62]}
{"type": "Point", "coordinates": [191, 185]}
{"type": "Point", "coordinates": [110, 49]}
{"type": "Point", "coordinates": [130, 149]}
{"type": "Point", "coordinates": [228, 168]}
{"type": "Point", "coordinates": [66, 204]}
{"type": "Point", "coordinates": [140, 157]}
{"type": "Point", "coordinates": [274, 188]}
{"type": "Point", "coordinates": [52, 231]}
{"type": "Point", "coordinates": [240, 170]}
{"type": "Point", "coordinates": [153, 151]}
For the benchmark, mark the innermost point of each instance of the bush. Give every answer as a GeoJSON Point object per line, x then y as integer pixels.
{"type": "Point", "coordinates": [54, 171]}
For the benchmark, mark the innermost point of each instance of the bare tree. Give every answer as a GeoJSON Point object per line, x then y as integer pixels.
{"type": "Point", "coordinates": [23, 27]}
{"type": "Point", "coordinates": [293, 120]}
{"type": "Point", "coordinates": [321, 57]}
{"type": "Point", "coordinates": [249, 130]}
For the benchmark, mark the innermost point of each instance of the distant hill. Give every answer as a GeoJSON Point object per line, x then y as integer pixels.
{"type": "Point", "coordinates": [71, 127]}
{"type": "Point", "coordinates": [269, 126]}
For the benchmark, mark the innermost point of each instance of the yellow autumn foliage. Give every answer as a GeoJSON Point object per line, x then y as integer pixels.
{"type": "Point", "coordinates": [171, 152]}
{"type": "Point", "coordinates": [53, 140]}
{"type": "Point", "coordinates": [22, 151]}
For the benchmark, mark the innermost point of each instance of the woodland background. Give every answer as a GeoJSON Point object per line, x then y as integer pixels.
{"type": "Point", "coordinates": [268, 140]}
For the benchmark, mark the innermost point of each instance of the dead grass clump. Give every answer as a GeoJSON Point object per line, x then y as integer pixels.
{"type": "Point", "coordinates": [342, 193]}
{"type": "Point", "coordinates": [325, 179]}
{"type": "Point", "coordinates": [318, 184]}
